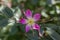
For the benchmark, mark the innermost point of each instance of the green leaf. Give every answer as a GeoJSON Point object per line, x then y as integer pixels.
{"type": "Point", "coordinates": [8, 12]}
{"type": "Point", "coordinates": [13, 30]}
{"type": "Point", "coordinates": [3, 22]}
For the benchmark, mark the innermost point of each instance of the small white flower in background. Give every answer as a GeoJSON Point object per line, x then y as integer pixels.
{"type": "Point", "coordinates": [17, 15]}
{"type": "Point", "coordinates": [57, 9]}
{"type": "Point", "coordinates": [43, 13]}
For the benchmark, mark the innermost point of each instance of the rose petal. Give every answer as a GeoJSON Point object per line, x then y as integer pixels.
{"type": "Point", "coordinates": [27, 28]}
{"type": "Point", "coordinates": [36, 26]}
{"type": "Point", "coordinates": [28, 13]}
{"type": "Point", "coordinates": [37, 16]}
{"type": "Point", "coordinates": [23, 21]}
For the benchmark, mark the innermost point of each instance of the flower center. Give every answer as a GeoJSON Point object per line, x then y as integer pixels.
{"type": "Point", "coordinates": [30, 21]}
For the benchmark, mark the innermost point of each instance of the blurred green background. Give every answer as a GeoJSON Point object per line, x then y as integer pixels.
{"type": "Point", "coordinates": [10, 29]}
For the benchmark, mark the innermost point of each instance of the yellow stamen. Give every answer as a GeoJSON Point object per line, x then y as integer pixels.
{"type": "Point", "coordinates": [30, 21]}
